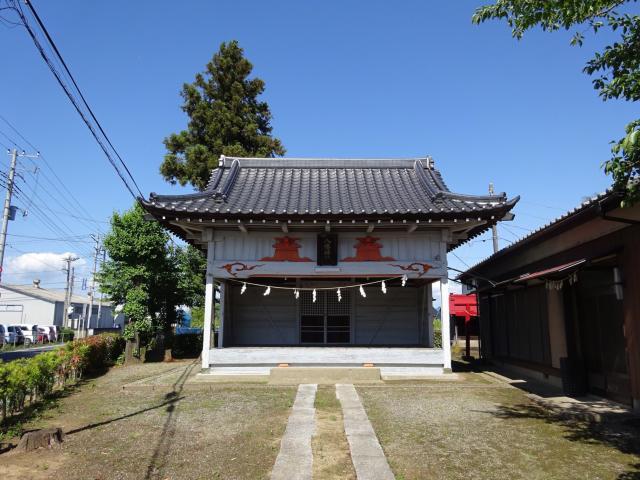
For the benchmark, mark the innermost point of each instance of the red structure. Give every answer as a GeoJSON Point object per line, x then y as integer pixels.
{"type": "Point", "coordinates": [465, 306]}
{"type": "Point", "coordinates": [286, 250]}
{"type": "Point", "coordinates": [368, 250]}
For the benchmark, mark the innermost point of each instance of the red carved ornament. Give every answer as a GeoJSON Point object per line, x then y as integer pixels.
{"type": "Point", "coordinates": [420, 268]}
{"type": "Point", "coordinates": [368, 250]}
{"type": "Point", "coordinates": [235, 267]}
{"type": "Point", "coordinates": [286, 250]}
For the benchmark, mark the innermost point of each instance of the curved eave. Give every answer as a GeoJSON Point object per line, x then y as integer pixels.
{"type": "Point", "coordinates": [491, 216]}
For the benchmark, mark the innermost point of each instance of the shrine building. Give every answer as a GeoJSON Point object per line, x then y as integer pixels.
{"type": "Point", "coordinates": [326, 262]}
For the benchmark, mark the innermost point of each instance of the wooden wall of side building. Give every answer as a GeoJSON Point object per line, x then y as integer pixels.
{"type": "Point", "coordinates": [630, 257]}
{"type": "Point", "coordinates": [516, 325]}
{"type": "Point", "coordinates": [623, 243]}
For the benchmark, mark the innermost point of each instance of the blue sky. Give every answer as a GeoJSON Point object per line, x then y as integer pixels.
{"type": "Point", "coordinates": [361, 79]}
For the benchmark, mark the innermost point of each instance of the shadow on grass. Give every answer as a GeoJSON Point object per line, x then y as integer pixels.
{"type": "Point", "coordinates": [128, 415]}
{"type": "Point", "coordinates": [618, 430]}
{"type": "Point", "coordinates": [165, 438]}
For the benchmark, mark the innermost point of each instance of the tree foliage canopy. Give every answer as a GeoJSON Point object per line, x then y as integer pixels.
{"type": "Point", "coordinates": [226, 117]}
{"type": "Point", "coordinates": [616, 68]}
{"type": "Point", "coordinates": [146, 274]}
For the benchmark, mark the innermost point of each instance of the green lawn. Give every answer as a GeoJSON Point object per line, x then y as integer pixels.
{"type": "Point", "coordinates": [491, 431]}
{"type": "Point", "coordinates": [213, 431]}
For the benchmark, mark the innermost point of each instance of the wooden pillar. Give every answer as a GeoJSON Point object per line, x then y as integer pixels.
{"type": "Point", "coordinates": [209, 308]}
{"type": "Point", "coordinates": [223, 303]}
{"type": "Point", "coordinates": [445, 318]}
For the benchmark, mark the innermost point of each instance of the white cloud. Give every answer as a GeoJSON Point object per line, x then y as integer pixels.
{"type": "Point", "coordinates": [45, 266]}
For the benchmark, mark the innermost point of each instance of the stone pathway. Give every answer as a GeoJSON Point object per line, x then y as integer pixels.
{"type": "Point", "coordinates": [295, 460]}
{"type": "Point", "coordinates": [366, 453]}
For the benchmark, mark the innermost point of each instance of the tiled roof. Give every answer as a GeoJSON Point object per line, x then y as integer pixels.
{"type": "Point", "coordinates": [329, 187]}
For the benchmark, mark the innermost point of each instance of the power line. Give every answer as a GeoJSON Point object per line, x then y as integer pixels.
{"type": "Point", "coordinates": [516, 236]}
{"type": "Point", "coordinates": [44, 218]}
{"type": "Point", "coordinates": [17, 7]}
{"type": "Point", "coordinates": [68, 194]}
{"type": "Point", "coordinates": [73, 80]}
{"type": "Point", "coordinates": [43, 206]}
{"type": "Point", "coordinates": [465, 263]}
{"type": "Point", "coordinates": [11, 140]}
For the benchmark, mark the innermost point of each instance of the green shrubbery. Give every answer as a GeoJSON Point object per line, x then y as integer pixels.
{"type": "Point", "coordinates": [34, 378]}
{"type": "Point", "coordinates": [66, 334]}
{"type": "Point", "coordinates": [437, 339]}
{"type": "Point", "coordinates": [187, 345]}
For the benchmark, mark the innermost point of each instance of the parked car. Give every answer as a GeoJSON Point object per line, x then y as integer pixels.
{"type": "Point", "coordinates": [30, 332]}
{"type": "Point", "coordinates": [43, 335]}
{"type": "Point", "coordinates": [3, 335]}
{"type": "Point", "coordinates": [53, 331]}
{"type": "Point", "coordinates": [12, 334]}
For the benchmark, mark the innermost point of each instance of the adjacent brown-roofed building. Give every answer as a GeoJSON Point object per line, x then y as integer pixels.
{"type": "Point", "coordinates": [306, 227]}
{"type": "Point", "coordinates": [563, 303]}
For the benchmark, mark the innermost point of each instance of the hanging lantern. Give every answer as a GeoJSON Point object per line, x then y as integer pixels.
{"type": "Point", "coordinates": [296, 293]}
{"type": "Point", "coordinates": [362, 291]}
{"type": "Point", "coordinates": [339, 295]}
{"type": "Point", "coordinates": [384, 287]}
{"type": "Point", "coordinates": [314, 295]}
{"type": "Point", "coordinates": [267, 291]}
{"type": "Point", "coordinates": [243, 289]}
{"type": "Point", "coordinates": [404, 279]}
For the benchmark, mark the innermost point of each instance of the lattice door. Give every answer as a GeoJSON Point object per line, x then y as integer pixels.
{"type": "Point", "coordinates": [326, 320]}
{"type": "Point", "coordinates": [312, 324]}
{"type": "Point", "coordinates": [338, 318]}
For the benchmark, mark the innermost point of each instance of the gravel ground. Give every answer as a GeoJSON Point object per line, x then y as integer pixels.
{"type": "Point", "coordinates": [493, 432]}
{"type": "Point", "coordinates": [226, 432]}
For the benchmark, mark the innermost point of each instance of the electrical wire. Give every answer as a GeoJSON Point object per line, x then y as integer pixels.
{"type": "Point", "coordinates": [68, 194]}
{"type": "Point", "coordinates": [71, 96]}
{"type": "Point", "coordinates": [64, 64]}
{"type": "Point", "coordinates": [456, 255]}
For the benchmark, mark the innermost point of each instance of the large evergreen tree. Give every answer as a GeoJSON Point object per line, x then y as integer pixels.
{"type": "Point", "coordinates": [617, 67]}
{"type": "Point", "coordinates": [226, 117]}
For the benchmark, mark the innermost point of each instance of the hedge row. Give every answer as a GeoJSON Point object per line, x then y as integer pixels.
{"type": "Point", "coordinates": [34, 378]}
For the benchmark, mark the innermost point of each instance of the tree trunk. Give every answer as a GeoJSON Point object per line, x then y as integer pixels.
{"type": "Point", "coordinates": [49, 437]}
{"type": "Point", "coordinates": [129, 352]}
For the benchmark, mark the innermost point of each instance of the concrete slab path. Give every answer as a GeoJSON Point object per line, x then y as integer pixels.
{"type": "Point", "coordinates": [295, 459]}
{"type": "Point", "coordinates": [368, 458]}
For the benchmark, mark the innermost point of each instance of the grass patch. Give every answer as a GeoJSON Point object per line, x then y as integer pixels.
{"type": "Point", "coordinates": [225, 431]}
{"type": "Point", "coordinates": [498, 433]}
{"type": "Point", "coordinates": [331, 456]}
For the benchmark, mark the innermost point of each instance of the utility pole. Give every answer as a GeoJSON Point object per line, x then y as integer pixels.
{"type": "Point", "coordinates": [104, 257]}
{"type": "Point", "coordinates": [6, 212]}
{"type": "Point", "coordinates": [494, 227]}
{"type": "Point", "coordinates": [73, 279]}
{"type": "Point", "coordinates": [96, 252]}
{"type": "Point", "coordinates": [67, 298]}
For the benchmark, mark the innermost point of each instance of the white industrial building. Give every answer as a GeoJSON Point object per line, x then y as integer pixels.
{"type": "Point", "coordinates": [21, 304]}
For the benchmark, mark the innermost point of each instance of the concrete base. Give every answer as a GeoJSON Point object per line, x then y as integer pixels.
{"type": "Point", "coordinates": [390, 362]}
{"type": "Point", "coordinates": [517, 370]}
{"type": "Point", "coordinates": [207, 377]}
{"type": "Point", "coordinates": [323, 376]}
